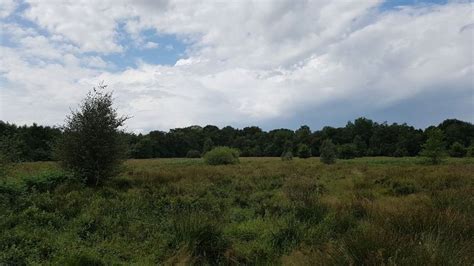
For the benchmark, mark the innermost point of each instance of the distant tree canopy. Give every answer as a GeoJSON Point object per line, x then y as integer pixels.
{"type": "Point", "coordinates": [363, 137]}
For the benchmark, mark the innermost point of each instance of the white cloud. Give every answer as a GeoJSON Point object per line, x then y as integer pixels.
{"type": "Point", "coordinates": [266, 61]}
{"type": "Point", "coordinates": [7, 7]}
{"type": "Point", "coordinates": [151, 45]}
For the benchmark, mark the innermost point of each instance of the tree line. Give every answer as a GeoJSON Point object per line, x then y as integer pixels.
{"type": "Point", "coordinates": [361, 137]}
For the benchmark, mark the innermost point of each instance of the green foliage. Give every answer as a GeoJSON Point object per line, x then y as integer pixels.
{"type": "Point", "coordinates": [91, 146]}
{"type": "Point", "coordinates": [434, 148]}
{"type": "Point", "coordinates": [287, 156]}
{"type": "Point", "coordinates": [193, 154]}
{"type": "Point", "coordinates": [82, 259]}
{"type": "Point", "coordinates": [470, 151]}
{"type": "Point", "coordinates": [207, 146]}
{"type": "Point", "coordinates": [400, 188]}
{"type": "Point", "coordinates": [222, 155]}
{"type": "Point", "coordinates": [35, 143]}
{"type": "Point", "coordinates": [328, 152]}
{"type": "Point", "coordinates": [457, 150]}
{"type": "Point", "coordinates": [5, 164]}
{"type": "Point", "coordinates": [347, 151]}
{"type": "Point", "coordinates": [304, 151]}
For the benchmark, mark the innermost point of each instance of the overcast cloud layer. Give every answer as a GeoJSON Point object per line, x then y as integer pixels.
{"type": "Point", "coordinates": [268, 63]}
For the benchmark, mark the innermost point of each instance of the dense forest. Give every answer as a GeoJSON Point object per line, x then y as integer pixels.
{"type": "Point", "coordinates": [363, 137]}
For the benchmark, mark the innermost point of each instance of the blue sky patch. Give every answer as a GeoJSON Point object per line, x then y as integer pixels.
{"type": "Point", "coordinates": [394, 4]}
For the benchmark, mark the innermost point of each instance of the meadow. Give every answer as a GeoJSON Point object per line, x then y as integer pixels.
{"type": "Point", "coordinates": [263, 211]}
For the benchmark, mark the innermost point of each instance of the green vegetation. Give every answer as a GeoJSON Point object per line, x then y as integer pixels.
{"type": "Point", "coordinates": [434, 148]}
{"type": "Point", "coordinates": [371, 211]}
{"type": "Point", "coordinates": [91, 146]}
{"type": "Point", "coordinates": [222, 155]}
{"type": "Point", "coordinates": [328, 152]}
{"type": "Point", "coordinates": [369, 138]}
{"type": "Point", "coordinates": [193, 154]}
{"type": "Point", "coordinates": [287, 156]}
{"type": "Point", "coordinates": [457, 150]}
{"type": "Point", "coordinates": [304, 151]}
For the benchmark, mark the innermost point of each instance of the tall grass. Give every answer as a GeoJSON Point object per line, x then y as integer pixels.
{"type": "Point", "coordinates": [263, 211]}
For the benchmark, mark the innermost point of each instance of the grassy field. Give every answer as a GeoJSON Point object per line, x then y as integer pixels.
{"type": "Point", "coordinates": [263, 211]}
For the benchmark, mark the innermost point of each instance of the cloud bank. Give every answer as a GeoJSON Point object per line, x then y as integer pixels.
{"type": "Point", "coordinates": [245, 62]}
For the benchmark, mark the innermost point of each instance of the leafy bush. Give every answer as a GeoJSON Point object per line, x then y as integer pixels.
{"type": "Point", "coordinates": [287, 156]}
{"type": "Point", "coordinates": [304, 151]}
{"type": "Point", "coordinates": [347, 151]}
{"type": "Point", "coordinates": [91, 145]}
{"type": "Point", "coordinates": [457, 150]}
{"type": "Point", "coordinates": [193, 154]}
{"type": "Point", "coordinates": [328, 152]}
{"type": "Point", "coordinates": [222, 155]}
{"type": "Point", "coordinates": [470, 151]}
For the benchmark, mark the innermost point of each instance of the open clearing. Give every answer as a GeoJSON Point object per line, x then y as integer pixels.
{"type": "Point", "coordinates": [262, 211]}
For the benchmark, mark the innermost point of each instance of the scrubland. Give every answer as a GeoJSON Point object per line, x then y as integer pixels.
{"type": "Point", "coordinates": [263, 211]}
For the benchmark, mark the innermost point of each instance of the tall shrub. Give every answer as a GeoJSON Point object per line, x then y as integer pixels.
{"type": "Point", "coordinates": [328, 152]}
{"type": "Point", "coordinates": [434, 149]}
{"type": "Point", "coordinates": [91, 145]}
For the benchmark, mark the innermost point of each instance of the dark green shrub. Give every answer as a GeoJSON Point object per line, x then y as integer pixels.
{"type": "Point", "coordinates": [304, 151]}
{"type": "Point", "coordinates": [92, 146]}
{"type": "Point", "coordinates": [347, 151]}
{"type": "Point", "coordinates": [207, 146]}
{"type": "Point", "coordinates": [328, 152]}
{"type": "Point", "coordinates": [222, 155]}
{"type": "Point", "coordinates": [457, 150]}
{"type": "Point", "coordinates": [193, 154]}
{"type": "Point", "coordinates": [470, 151]}
{"type": "Point", "coordinates": [287, 156]}
{"type": "Point", "coordinates": [403, 188]}
{"type": "Point", "coordinates": [45, 181]}
{"type": "Point", "coordinates": [433, 149]}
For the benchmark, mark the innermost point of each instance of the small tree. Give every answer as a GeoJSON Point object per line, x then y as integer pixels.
{"type": "Point", "coordinates": [328, 152]}
{"type": "Point", "coordinates": [434, 146]}
{"type": "Point", "coordinates": [457, 150]}
{"type": "Point", "coordinates": [91, 145]}
{"type": "Point", "coordinates": [304, 151]}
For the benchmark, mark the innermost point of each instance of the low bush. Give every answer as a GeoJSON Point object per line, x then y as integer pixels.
{"type": "Point", "coordinates": [457, 150]}
{"type": "Point", "coordinates": [222, 155]}
{"type": "Point", "coordinates": [304, 151]}
{"type": "Point", "coordinates": [287, 156]}
{"type": "Point", "coordinates": [193, 154]}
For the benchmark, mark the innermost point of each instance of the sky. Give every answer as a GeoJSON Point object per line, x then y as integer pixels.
{"type": "Point", "coordinates": [273, 64]}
